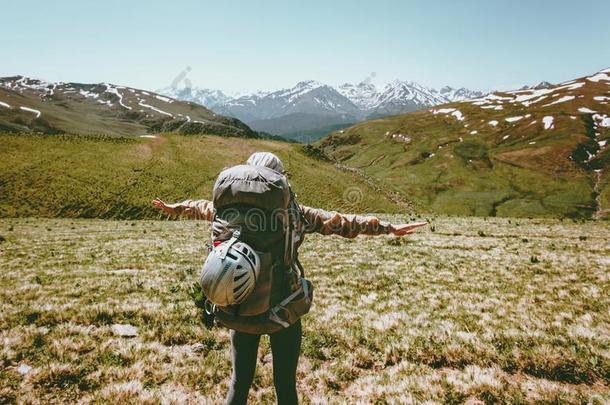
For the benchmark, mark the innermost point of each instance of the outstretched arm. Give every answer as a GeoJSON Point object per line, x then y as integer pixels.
{"type": "Point", "coordinates": [199, 209]}
{"type": "Point", "coordinates": [350, 226]}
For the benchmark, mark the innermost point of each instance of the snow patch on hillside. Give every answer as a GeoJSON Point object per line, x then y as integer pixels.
{"type": "Point", "coordinates": [561, 100]}
{"type": "Point", "coordinates": [4, 105]}
{"type": "Point", "coordinates": [603, 75]}
{"type": "Point", "coordinates": [28, 109]}
{"type": "Point", "coordinates": [165, 99]}
{"type": "Point", "coordinates": [586, 110]}
{"type": "Point", "coordinates": [601, 120]}
{"type": "Point", "coordinates": [493, 123]}
{"type": "Point", "coordinates": [495, 97]}
{"type": "Point", "coordinates": [454, 112]}
{"type": "Point", "coordinates": [27, 83]}
{"type": "Point", "coordinates": [88, 94]}
{"type": "Point", "coordinates": [548, 122]}
{"type": "Point", "coordinates": [570, 87]}
{"type": "Point", "coordinates": [443, 111]}
{"type": "Point", "coordinates": [143, 104]}
{"type": "Point", "coordinates": [513, 119]}
{"type": "Point", "coordinates": [115, 91]}
{"type": "Point", "coordinates": [458, 115]}
{"type": "Point", "coordinates": [527, 97]}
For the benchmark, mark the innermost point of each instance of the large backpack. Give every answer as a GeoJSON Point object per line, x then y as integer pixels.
{"type": "Point", "coordinates": [257, 202]}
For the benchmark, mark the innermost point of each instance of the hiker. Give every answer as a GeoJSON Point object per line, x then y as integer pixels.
{"type": "Point", "coordinates": [266, 292]}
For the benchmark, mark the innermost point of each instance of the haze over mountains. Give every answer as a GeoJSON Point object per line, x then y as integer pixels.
{"type": "Point", "coordinates": [311, 109]}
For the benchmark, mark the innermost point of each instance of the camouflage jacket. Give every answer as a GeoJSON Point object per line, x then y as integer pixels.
{"type": "Point", "coordinates": [318, 220]}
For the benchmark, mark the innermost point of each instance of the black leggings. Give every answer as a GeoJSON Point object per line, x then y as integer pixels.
{"type": "Point", "coordinates": [285, 348]}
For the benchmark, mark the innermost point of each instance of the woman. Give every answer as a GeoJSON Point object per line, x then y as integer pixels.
{"type": "Point", "coordinates": [286, 343]}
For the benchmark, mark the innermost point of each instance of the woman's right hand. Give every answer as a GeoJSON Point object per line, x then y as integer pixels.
{"type": "Point", "coordinates": [171, 209]}
{"type": "Point", "coordinates": [405, 229]}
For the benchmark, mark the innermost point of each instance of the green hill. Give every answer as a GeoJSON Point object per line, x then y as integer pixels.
{"type": "Point", "coordinates": [533, 152]}
{"type": "Point", "coordinates": [117, 177]}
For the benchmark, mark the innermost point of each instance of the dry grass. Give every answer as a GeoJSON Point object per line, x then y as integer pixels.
{"type": "Point", "coordinates": [495, 310]}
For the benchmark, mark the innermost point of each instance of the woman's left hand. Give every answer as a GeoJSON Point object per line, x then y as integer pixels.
{"type": "Point", "coordinates": [171, 209]}
{"type": "Point", "coordinates": [405, 229]}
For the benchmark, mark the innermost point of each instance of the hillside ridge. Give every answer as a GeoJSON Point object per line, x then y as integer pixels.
{"type": "Point", "coordinates": [32, 105]}
{"type": "Point", "coordinates": [540, 151]}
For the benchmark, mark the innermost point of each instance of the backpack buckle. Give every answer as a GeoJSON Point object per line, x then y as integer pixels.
{"type": "Point", "coordinates": [274, 317]}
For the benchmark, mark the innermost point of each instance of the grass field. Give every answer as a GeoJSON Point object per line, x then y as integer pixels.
{"type": "Point", "coordinates": [469, 309]}
{"type": "Point", "coordinates": [117, 177]}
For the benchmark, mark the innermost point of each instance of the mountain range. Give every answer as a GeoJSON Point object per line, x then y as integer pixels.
{"type": "Point", "coordinates": [311, 109]}
{"type": "Point", "coordinates": [537, 151]}
{"type": "Point", "coordinates": [32, 105]}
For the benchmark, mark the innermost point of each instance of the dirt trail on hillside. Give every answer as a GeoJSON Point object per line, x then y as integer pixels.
{"type": "Point", "coordinates": [375, 185]}
{"type": "Point", "coordinates": [599, 211]}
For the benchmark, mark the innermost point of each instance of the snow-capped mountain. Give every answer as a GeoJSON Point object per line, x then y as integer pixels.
{"type": "Point", "coordinates": [311, 105]}
{"type": "Point", "coordinates": [364, 95]}
{"type": "Point", "coordinates": [401, 96]}
{"type": "Point", "coordinates": [308, 97]}
{"type": "Point", "coordinates": [207, 97]}
{"type": "Point", "coordinates": [451, 94]}
{"type": "Point", "coordinates": [540, 85]}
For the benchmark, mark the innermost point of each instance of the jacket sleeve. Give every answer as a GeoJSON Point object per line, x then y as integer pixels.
{"type": "Point", "coordinates": [199, 209]}
{"type": "Point", "coordinates": [348, 226]}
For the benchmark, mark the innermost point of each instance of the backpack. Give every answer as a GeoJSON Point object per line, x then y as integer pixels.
{"type": "Point", "coordinates": [256, 205]}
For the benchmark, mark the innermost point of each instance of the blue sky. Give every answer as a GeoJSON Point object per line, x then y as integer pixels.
{"type": "Point", "coordinates": [250, 45]}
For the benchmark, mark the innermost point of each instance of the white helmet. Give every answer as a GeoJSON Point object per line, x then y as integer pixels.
{"type": "Point", "coordinates": [229, 273]}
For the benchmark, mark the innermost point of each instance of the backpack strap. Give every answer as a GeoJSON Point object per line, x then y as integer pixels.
{"type": "Point", "coordinates": [295, 219]}
{"type": "Point", "coordinates": [225, 248]}
{"type": "Point", "coordinates": [273, 314]}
